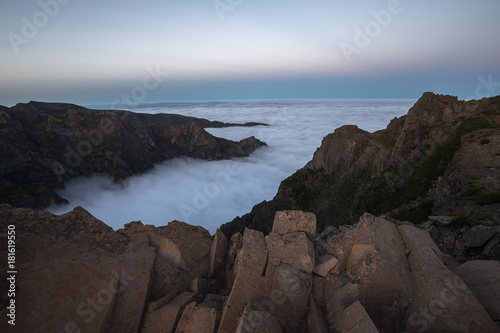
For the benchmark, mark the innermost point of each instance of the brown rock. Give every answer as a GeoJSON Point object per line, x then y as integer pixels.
{"type": "Point", "coordinates": [442, 300]}
{"type": "Point", "coordinates": [315, 321]}
{"type": "Point", "coordinates": [377, 263]}
{"type": "Point", "coordinates": [218, 252]}
{"type": "Point", "coordinates": [199, 285]}
{"type": "Point", "coordinates": [483, 279]}
{"type": "Point", "coordinates": [327, 262]}
{"type": "Point", "coordinates": [164, 319]}
{"type": "Point", "coordinates": [254, 320]}
{"type": "Point", "coordinates": [196, 319]}
{"type": "Point", "coordinates": [77, 273]}
{"type": "Point", "coordinates": [293, 248]}
{"type": "Point", "coordinates": [133, 292]}
{"type": "Point", "coordinates": [336, 300]}
{"type": "Point", "coordinates": [289, 289]}
{"type": "Point", "coordinates": [249, 283]}
{"type": "Point", "coordinates": [356, 320]}
{"type": "Point", "coordinates": [291, 221]}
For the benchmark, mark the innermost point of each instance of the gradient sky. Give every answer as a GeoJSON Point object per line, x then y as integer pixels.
{"type": "Point", "coordinates": [98, 51]}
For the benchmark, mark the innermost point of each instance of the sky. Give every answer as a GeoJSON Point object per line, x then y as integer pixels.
{"type": "Point", "coordinates": [137, 51]}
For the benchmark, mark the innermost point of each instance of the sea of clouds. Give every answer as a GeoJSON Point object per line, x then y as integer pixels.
{"type": "Point", "coordinates": [211, 193]}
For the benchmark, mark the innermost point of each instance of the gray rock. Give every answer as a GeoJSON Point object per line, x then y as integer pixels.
{"type": "Point", "coordinates": [427, 225]}
{"type": "Point", "coordinates": [441, 220]}
{"type": "Point", "coordinates": [492, 249]}
{"type": "Point", "coordinates": [345, 227]}
{"type": "Point", "coordinates": [478, 236]}
{"type": "Point", "coordinates": [329, 231]}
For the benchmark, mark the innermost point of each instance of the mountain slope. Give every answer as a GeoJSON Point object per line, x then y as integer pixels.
{"type": "Point", "coordinates": [44, 144]}
{"type": "Point", "coordinates": [443, 157]}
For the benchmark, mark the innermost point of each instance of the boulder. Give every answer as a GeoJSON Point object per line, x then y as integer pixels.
{"type": "Point", "coordinates": [293, 220]}
{"type": "Point", "coordinates": [442, 300]}
{"type": "Point", "coordinates": [478, 236]}
{"type": "Point", "coordinates": [483, 279]}
{"type": "Point", "coordinates": [440, 220]}
{"type": "Point", "coordinates": [196, 319]}
{"type": "Point", "coordinates": [165, 318]}
{"type": "Point", "coordinates": [326, 263]}
{"type": "Point", "coordinates": [356, 320]}
{"type": "Point", "coordinates": [76, 273]}
{"type": "Point", "coordinates": [373, 256]}
{"type": "Point", "coordinates": [255, 319]}
{"type": "Point", "coordinates": [289, 289]}
{"type": "Point", "coordinates": [199, 285]}
{"type": "Point", "coordinates": [293, 248]}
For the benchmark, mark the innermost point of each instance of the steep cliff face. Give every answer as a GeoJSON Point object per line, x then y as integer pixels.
{"type": "Point", "coordinates": [44, 144]}
{"type": "Point", "coordinates": [443, 157]}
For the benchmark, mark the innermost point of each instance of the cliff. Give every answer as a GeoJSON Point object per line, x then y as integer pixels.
{"type": "Point", "coordinates": [442, 158]}
{"type": "Point", "coordinates": [45, 144]}
{"type": "Point", "coordinates": [75, 274]}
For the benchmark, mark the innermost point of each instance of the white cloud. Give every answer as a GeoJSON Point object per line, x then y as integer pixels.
{"type": "Point", "coordinates": [211, 193]}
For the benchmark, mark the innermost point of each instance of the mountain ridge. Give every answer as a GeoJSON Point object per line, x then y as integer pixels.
{"type": "Point", "coordinates": [45, 144]}
{"type": "Point", "coordinates": [403, 171]}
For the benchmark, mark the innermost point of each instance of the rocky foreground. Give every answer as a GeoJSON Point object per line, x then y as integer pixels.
{"type": "Point", "coordinates": [75, 274]}
{"type": "Point", "coordinates": [45, 144]}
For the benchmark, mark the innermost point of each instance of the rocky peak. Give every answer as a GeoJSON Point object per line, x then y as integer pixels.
{"type": "Point", "coordinates": [441, 158]}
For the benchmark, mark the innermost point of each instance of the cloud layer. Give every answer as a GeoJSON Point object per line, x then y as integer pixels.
{"type": "Point", "coordinates": [211, 193]}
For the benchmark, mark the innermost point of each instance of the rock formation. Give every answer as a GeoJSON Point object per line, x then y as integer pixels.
{"type": "Point", "coordinates": [75, 274]}
{"type": "Point", "coordinates": [44, 144]}
{"type": "Point", "coordinates": [442, 158]}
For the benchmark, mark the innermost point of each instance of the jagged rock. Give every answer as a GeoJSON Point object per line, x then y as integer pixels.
{"type": "Point", "coordinates": [293, 248]}
{"type": "Point", "coordinates": [478, 236]}
{"type": "Point", "coordinates": [197, 319]}
{"type": "Point", "coordinates": [315, 321]}
{"type": "Point", "coordinates": [235, 245]}
{"type": "Point", "coordinates": [373, 256]}
{"type": "Point", "coordinates": [492, 249]}
{"type": "Point", "coordinates": [290, 291]}
{"type": "Point", "coordinates": [329, 231]}
{"type": "Point", "coordinates": [440, 220]}
{"type": "Point", "coordinates": [327, 262]}
{"type": "Point", "coordinates": [199, 285]}
{"type": "Point", "coordinates": [442, 300]}
{"type": "Point", "coordinates": [345, 227]}
{"type": "Point", "coordinates": [255, 319]}
{"type": "Point", "coordinates": [133, 294]}
{"type": "Point", "coordinates": [165, 318]}
{"type": "Point", "coordinates": [216, 302]}
{"type": "Point", "coordinates": [218, 252]}
{"type": "Point", "coordinates": [483, 279]}
{"type": "Point", "coordinates": [76, 273]}
{"type": "Point", "coordinates": [337, 298]}
{"type": "Point", "coordinates": [291, 221]}
{"type": "Point", "coordinates": [183, 254]}
{"type": "Point", "coordinates": [249, 283]}
{"type": "Point", "coordinates": [357, 320]}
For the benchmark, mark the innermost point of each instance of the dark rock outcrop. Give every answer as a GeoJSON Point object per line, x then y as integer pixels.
{"type": "Point", "coordinates": [442, 158]}
{"type": "Point", "coordinates": [44, 144]}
